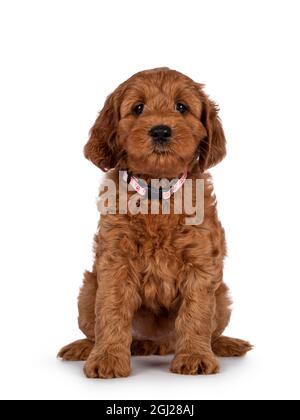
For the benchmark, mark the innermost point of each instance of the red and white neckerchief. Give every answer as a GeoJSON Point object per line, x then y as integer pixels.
{"type": "Point", "coordinates": [143, 191]}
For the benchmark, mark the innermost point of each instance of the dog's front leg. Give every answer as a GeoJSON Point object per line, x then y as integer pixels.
{"type": "Point", "coordinates": [116, 302]}
{"type": "Point", "coordinates": [194, 324]}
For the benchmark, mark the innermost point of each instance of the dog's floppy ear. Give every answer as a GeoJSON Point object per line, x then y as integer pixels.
{"type": "Point", "coordinates": [101, 148]}
{"type": "Point", "coordinates": [213, 146]}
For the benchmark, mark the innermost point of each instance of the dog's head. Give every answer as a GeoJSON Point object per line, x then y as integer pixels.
{"type": "Point", "coordinates": [158, 122]}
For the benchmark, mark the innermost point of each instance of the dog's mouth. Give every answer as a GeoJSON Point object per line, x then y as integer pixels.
{"type": "Point", "coordinates": [160, 149]}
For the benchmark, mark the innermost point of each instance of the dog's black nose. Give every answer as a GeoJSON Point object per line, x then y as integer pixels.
{"type": "Point", "coordinates": [160, 133]}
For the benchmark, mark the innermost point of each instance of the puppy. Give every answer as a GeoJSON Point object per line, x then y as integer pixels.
{"type": "Point", "coordinates": [157, 282]}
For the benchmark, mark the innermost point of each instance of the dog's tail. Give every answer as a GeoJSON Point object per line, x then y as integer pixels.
{"type": "Point", "coordinates": [230, 347]}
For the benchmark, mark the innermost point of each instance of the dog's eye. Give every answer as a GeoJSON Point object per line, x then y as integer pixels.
{"type": "Point", "coordinates": [182, 108]}
{"type": "Point", "coordinates": [138, 109]}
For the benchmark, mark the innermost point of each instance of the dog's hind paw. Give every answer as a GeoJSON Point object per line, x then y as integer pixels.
{"type": "Point", "coordinates": [230, 347]}
{"type": "Point", "coordinates": [77, 351]}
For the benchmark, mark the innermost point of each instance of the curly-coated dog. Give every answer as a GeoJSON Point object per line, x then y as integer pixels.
{"type": "Point", "coordinates": [157, 282]}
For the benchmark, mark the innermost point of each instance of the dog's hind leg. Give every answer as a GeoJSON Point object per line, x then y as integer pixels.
{"type": "Point", "coordinates": [80, 350]}
{"type": "Point", "coordinates": [86, 304]}
{"type": "Point", "coordinates": [225, 346]}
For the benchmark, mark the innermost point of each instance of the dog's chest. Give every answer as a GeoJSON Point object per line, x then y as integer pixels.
{"type": "Point", "coordinates": [159, 261]}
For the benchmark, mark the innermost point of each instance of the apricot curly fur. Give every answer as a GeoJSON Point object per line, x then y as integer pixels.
{"type": "Point", "coordinates": [157, 284]}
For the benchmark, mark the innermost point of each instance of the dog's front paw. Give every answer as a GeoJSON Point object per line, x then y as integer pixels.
{"type": "Point", "coordinates": [107, 365]}
{"type": "Point", "coordinates": [195, 363]}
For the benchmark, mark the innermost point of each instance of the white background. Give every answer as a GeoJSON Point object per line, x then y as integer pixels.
{"type": "Point", "coordinates": [59, 60]}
